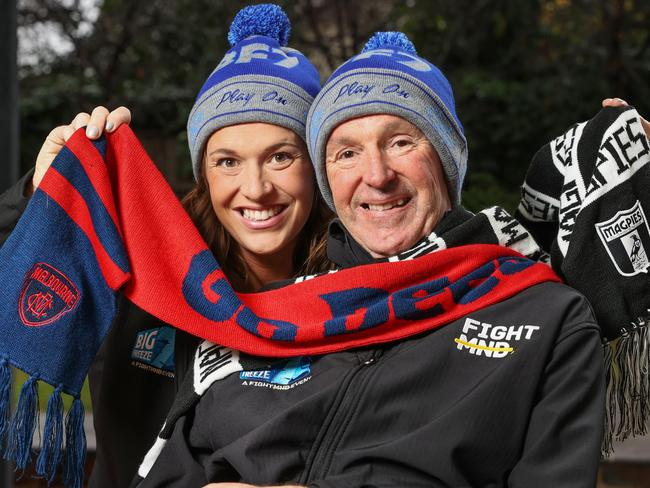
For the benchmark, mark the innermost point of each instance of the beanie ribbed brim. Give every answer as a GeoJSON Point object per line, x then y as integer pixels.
{"type": "Point", "coordinates": [244, 99]}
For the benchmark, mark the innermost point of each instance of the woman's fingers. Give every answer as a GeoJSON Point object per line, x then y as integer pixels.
{"type": "Point", "coordinates": [80, 120]}
{"type": "Point", "coordinates": [50, 148]}
{"type": "Point", "coordinates": [67, 132]}
{"type": "Point", "coordinates": [101, 119]}
{"type": "Point", "coordinates": [117, 117]}
{"type": "Point", "coordinates": [96, 123]}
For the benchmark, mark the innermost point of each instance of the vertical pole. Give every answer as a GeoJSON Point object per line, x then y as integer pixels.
{"type": "Point", "coordinates": [9, 161]}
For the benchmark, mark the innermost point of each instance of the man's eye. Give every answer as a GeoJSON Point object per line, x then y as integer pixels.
{"type": "Point", "coordinates": [346, 154]}
{"type": "Point", "coordinates": [402, 143]}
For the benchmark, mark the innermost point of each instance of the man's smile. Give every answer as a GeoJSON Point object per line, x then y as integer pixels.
{"type": "Point", "coordinates": [382, 207]}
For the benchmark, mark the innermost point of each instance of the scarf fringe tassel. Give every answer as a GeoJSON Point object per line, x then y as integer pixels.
{"type": "Point", "coordinates": [52, 449]}
{"type": "Point", "coordinates": [23, 425]}
{"type": "Point", "coordinates": [5, 390]}
{"type": "Point", "coordinates": [17, 433]}
{"type": "Point", "coordinates": [627, 405]}
{"type": "Point", "coordinates": [75, 449]}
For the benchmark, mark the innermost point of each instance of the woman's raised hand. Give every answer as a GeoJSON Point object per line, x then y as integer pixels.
{"type": "Point", "coordinates": [99, 120]}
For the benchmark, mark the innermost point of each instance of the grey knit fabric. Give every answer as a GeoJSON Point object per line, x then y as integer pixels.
{"type": "Point", "coordinates": [242, 99]}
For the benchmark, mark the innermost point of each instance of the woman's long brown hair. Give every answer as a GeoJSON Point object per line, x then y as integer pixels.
{"type": "Point", "coordinates": [309, 256]}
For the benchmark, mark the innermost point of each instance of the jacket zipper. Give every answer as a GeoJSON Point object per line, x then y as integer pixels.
{"type": "Point", "coordinates": [322, 452]}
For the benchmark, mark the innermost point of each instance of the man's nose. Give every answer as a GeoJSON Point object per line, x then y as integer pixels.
{"type": "Point", "coordinates": [378, 171]}
{"type": "Point", "coordinates": [255, 184]}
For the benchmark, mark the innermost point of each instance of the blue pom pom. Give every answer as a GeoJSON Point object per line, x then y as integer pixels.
{"type": "Point", "coordinates": [390, 39]}
{"type": "Point", "coordinates": [265, 19]}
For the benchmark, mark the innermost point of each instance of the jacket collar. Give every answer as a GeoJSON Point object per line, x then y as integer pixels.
{"type": "Point", "coordinates": [345, 252]}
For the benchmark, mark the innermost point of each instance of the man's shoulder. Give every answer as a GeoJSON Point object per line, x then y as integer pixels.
{"type": "Point", "coordinates": [553, 290]}
{"type": "Point", "coordinates": [563, 304]}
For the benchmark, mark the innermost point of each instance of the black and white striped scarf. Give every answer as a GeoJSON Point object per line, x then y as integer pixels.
{"type": "Point", "coordinates": [585, 199]}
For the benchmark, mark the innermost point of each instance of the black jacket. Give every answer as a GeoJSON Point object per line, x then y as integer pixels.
{"type": "Point", "coordinates": [427, 411]}
{"type": "Point", "coordinates": [132, 380]}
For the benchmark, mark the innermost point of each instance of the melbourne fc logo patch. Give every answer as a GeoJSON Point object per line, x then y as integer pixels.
{"type": "Point", "coordinates": [47, 294]}
{"type": "Point", "coordinates": [626, 237]}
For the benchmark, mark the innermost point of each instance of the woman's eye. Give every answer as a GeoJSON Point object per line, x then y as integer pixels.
{"type": "Point", "coordinates": [346, 154]}
{"type": "Point", "coordinates": [282, 157]}
{"type": "Point", "coordinates": [226, 163]}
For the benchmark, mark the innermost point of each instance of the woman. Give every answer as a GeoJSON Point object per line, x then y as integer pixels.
{"type": "Point", "coordinates": [254, 203]}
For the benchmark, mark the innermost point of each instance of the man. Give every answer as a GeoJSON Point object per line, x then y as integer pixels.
{"type": "Point", "coordinates": [509, 395]}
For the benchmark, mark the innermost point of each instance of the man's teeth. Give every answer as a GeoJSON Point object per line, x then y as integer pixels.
{"type": "Point", "coordinates": [261, 214]}
{"type": "Point", "coordinates": [386, 206]}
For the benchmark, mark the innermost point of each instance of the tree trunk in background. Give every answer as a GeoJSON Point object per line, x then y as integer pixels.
{"type": "Point", "coordinates": [8, 97]}
{"type": "Point", "coordinates": [8, 133]}
{"type": "Point", "coordinates": [613, 20]}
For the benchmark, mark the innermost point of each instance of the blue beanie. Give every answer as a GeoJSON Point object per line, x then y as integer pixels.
{"type": "Point", "coordinates": [388, 77]}
{"type": "Point", "coordinates": [258, 80]}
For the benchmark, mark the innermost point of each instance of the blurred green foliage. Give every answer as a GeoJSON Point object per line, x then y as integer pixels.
{"type": "Point", "coordinates": [522, 71]}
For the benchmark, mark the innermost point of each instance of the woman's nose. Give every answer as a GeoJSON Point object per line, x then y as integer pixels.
{"type": "Point", "coordinates": [255, 184]}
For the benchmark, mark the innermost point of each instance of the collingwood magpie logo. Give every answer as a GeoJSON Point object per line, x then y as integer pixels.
{"type": "Point", "coordinates": [493, 341]}
{"type": "Point", "coordinates": [626, 238]}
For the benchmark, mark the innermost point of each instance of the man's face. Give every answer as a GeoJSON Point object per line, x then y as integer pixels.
{"type": "Point", "coordinates": [388, 185]}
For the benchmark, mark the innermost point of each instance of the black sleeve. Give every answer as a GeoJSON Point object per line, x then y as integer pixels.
{"type": "Point", "coordinates": [12, 205]}
{"type": "Point", "coordinates": [562, 445]}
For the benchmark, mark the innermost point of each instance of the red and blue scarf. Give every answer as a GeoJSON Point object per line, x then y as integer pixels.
{"type": "Point", "coordinates": [105, 221]}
